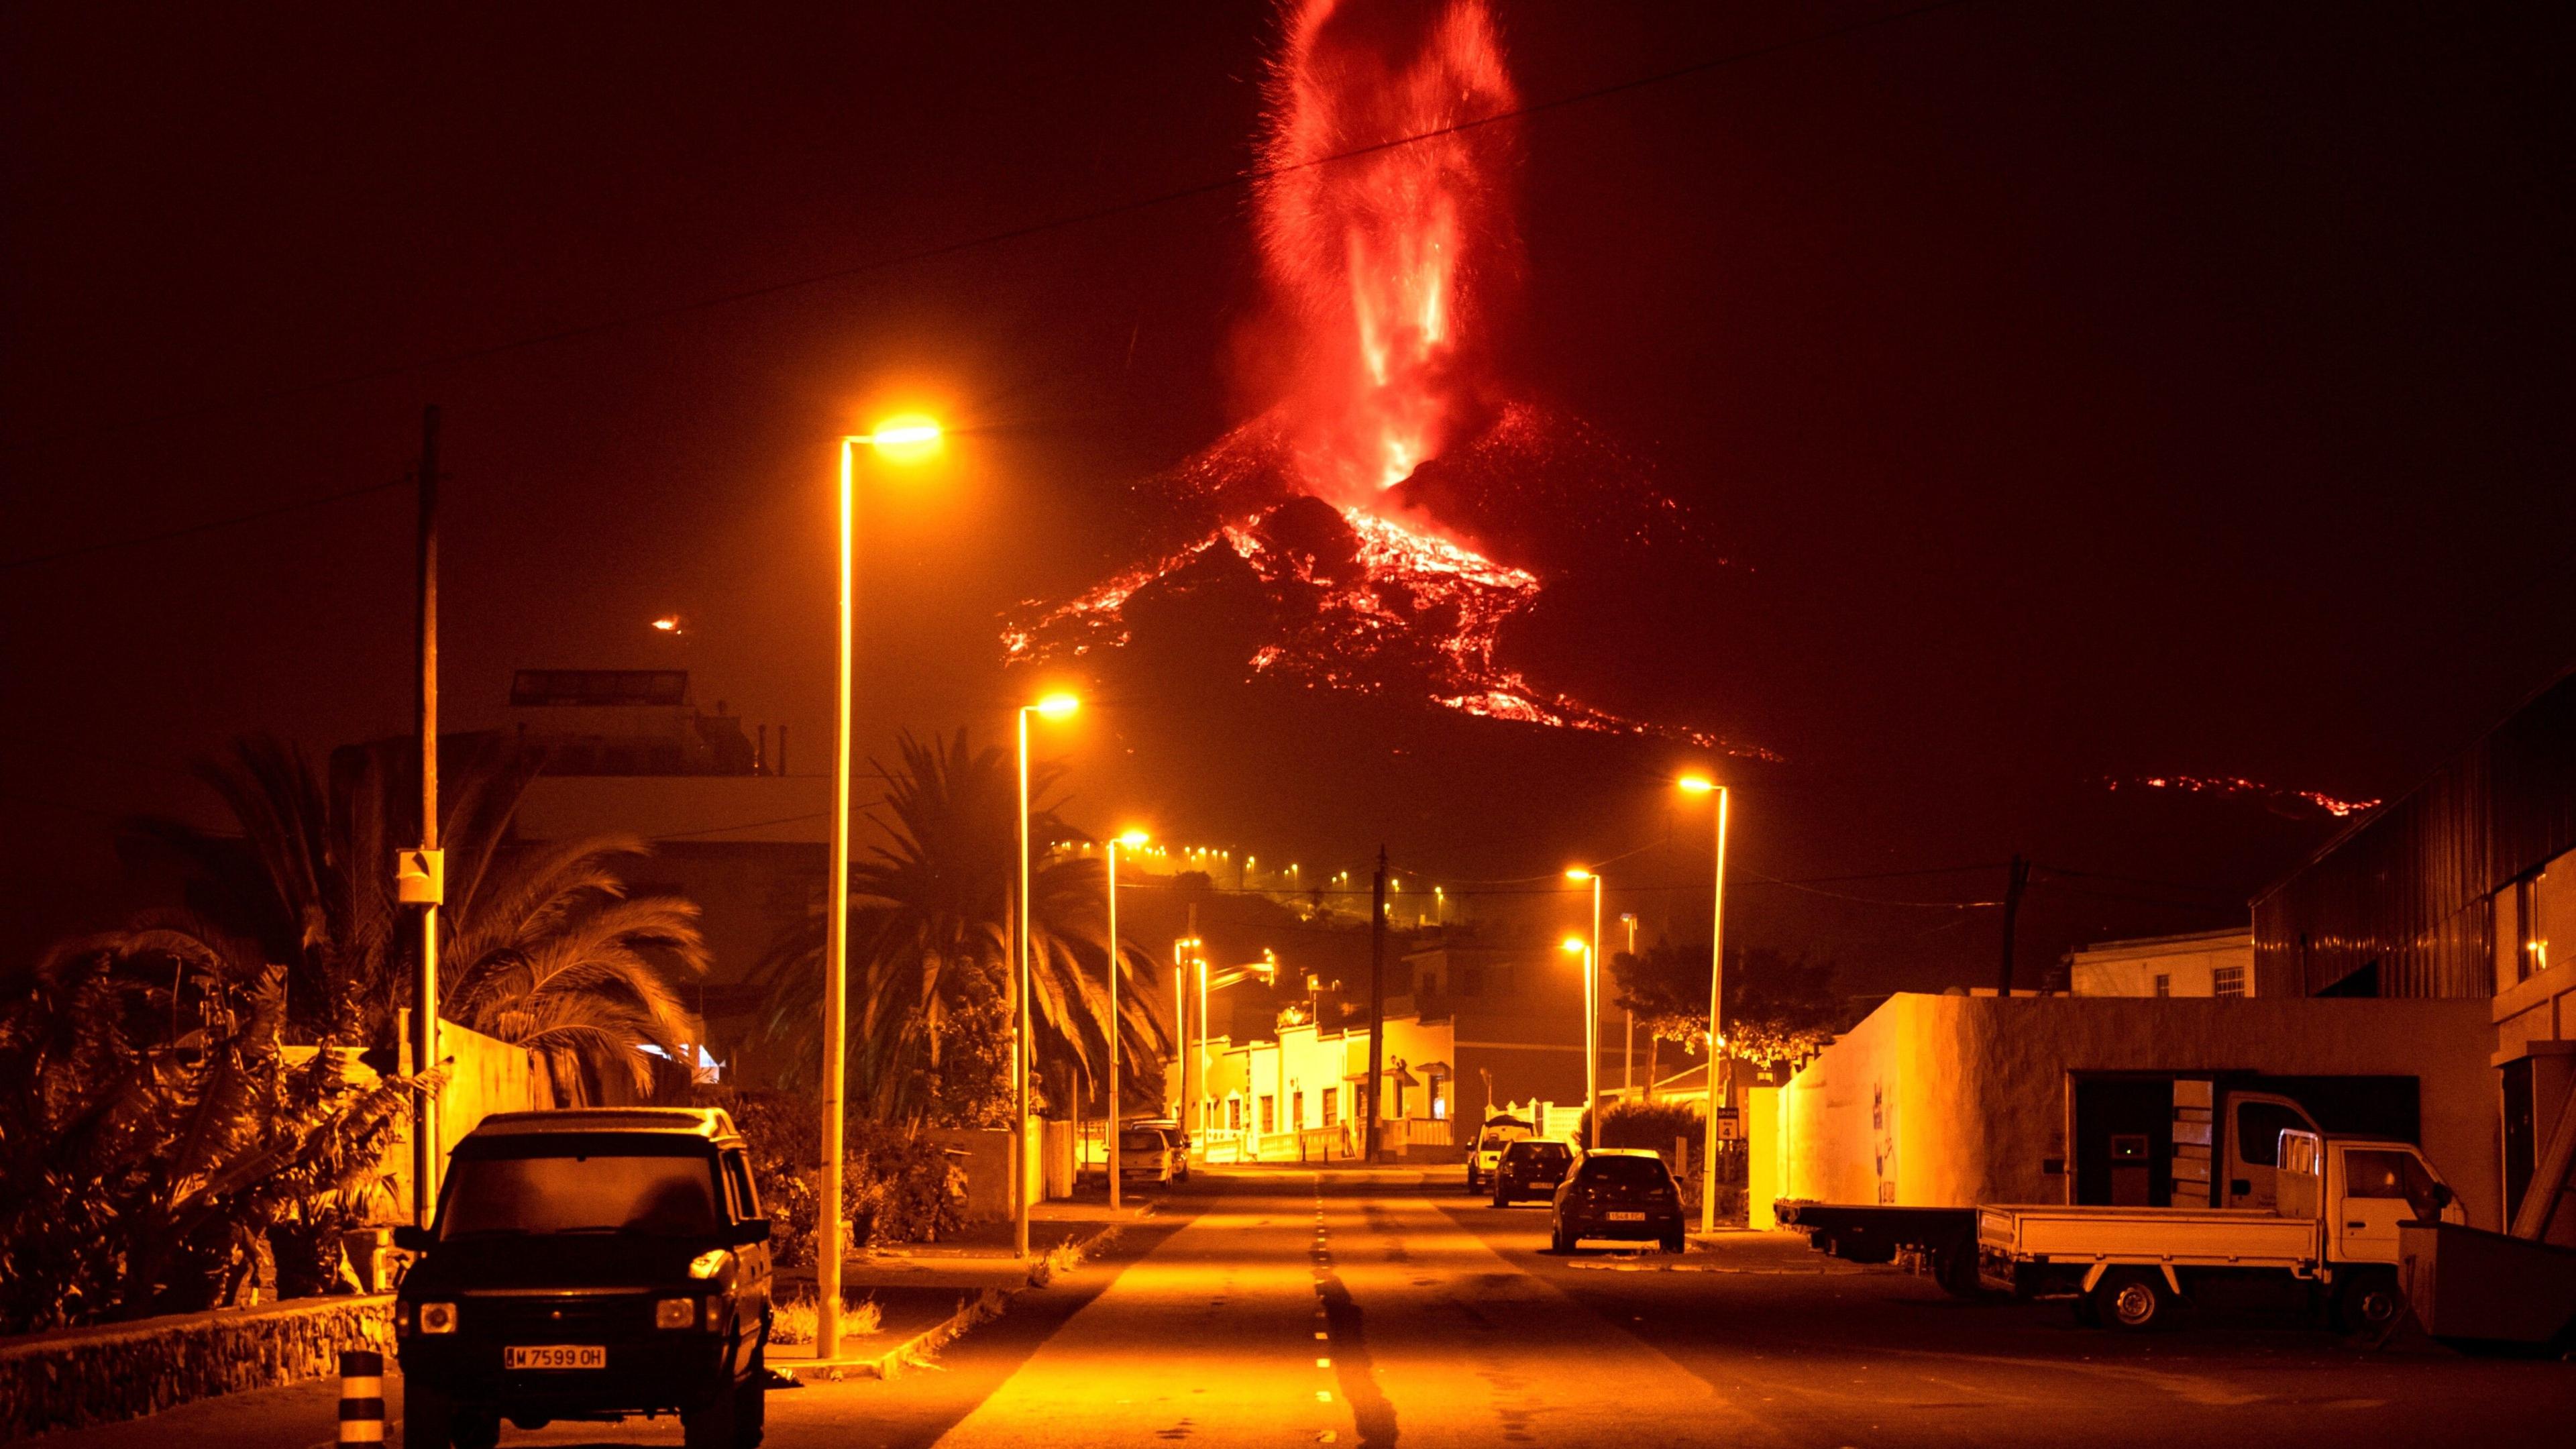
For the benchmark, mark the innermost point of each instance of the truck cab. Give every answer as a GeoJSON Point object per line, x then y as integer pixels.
{"type": "Point", "coordinates": [2373, 1187]}
{"type": "Point", "coordinates": [588, 1264]}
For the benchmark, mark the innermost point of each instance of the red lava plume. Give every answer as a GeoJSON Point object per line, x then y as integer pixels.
{"type": "Point", "coordinates": [1339, 522]}
{"type": "Point", "coordinates": [2280, 800]}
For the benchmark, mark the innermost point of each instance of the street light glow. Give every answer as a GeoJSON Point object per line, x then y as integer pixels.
{"type": "Point", "coordinates": [1578, 873]}
{"type": "Point", "coordinates": [907, 438]}
{"type": "Point", "coordinates": [1057, 706]}
{"type": "Point", "coordinates": [1134, 838]}
{"type": "Point", "coordinates": [1571, 945]}
{"type": "Point", "coordinates": [1696, 784]}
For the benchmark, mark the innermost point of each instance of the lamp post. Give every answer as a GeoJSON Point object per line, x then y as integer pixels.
{"type": "Point", "coordinates": [1592, 1007]}
{"type": "Point", "coordinates": [1628, 1051]}
{"type": "Point", "coordinates": [1054, 706]}
{"type": "Point", "coordinates": [1702, 785]}
{"type": "Point", "coordinates": [896, 440]}
{"type": "Point", "coordinates": [1577, 946]}
{"type": "Point", "coordinates": [1180, 1075]}
{"type": "Point", "coordinates": [1132, 837]}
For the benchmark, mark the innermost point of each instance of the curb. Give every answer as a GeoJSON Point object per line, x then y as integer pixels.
{"type": "Point", "coordinates": [984, 1307]}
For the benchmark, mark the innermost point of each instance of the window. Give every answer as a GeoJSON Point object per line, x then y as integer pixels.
{"type": "Point", "coordinates": [2227, 981]}
{"type": "Point", "coordinates": [2164, 984]}
{"type": "Point", "coordinates": [2383, 1173]}
{"type": "Point", "coordinates": [2259, 1126]}
{"type": "Point", "coordinates": [1234, 1114]}
{"type": "Point", "coordinates": [746, 1202]}
{"type": "Point", "coordinates": [589, 1193]}
{"type": "Point", "coordinates": [1269, 1113]}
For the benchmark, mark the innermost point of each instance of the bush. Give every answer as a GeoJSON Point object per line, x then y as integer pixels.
{"type": "Point", "coordinates": [896, 1184]}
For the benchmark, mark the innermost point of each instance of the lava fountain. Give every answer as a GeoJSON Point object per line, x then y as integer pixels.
{"type": "Point", "coordinates": [1352, 512]}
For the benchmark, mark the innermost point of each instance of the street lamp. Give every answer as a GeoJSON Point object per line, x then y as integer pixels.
{"type": "Point", "coordinates": [1179, 1078]}
{"type": "Point", "coordinates": [1053, 706]}
{"type": "Point", "coordinates": [1577, 946]}
{"type": "Point", "coordinates": [1628, 1052]}
{"type": "Point", "coordinates": [901, 440]}
{"type": "Point", "coordinates": [1702, 785]}
{"type": "Point", "coordinates": [1592, 1008]}
{"type": "Point", "coordinates": [1131, 838]}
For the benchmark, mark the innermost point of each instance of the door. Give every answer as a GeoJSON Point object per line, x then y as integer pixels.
{"type": "Point", "coordinates": [2255, 1121]}
{"type": "Point", "coordinates": [752, 1260]}
{"type": "Point", "coordinates": [2383, 1187]}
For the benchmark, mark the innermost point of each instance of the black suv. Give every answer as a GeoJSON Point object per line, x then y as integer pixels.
{"type": "Point", "coordinates": [1530, 1168]}
{"type": "Point", "coordinates": [588, 1264]}
{"type": "Point", "coordinates": [1618, 1192]}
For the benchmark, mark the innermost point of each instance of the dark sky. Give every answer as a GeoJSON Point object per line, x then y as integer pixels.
{"type": "Point", "coordinates": [2079, 391]}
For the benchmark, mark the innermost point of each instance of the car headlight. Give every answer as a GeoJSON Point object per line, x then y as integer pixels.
{"type": "Point", "coordinates": [709, 1263]}
{"type": "Point", "coordinates": [437, 1318]}
{"type": "Point", "coordinates": [675, 1313]}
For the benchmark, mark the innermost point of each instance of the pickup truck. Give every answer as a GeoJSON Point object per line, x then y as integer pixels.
{"type": "Point", "coordinates": [2225, 1141]}
{"type": "Point", "coordinates": [2333, 1227]}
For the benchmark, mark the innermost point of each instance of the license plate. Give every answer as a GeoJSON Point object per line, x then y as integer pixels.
{"type": "Point", "coordinates": [1627, 1217]}
{"type": "Point", "coordinates": [556, 1356]}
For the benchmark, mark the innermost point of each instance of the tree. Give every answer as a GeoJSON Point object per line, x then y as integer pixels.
{"type": "Point", "coordinates": [540, 945]}
{"type": "Point", "coordinates": [151, 1125]}
{"type": "Point", "coordinates": [930, 948]}
{"type": "Point", "coordinates": [1779, 1009]}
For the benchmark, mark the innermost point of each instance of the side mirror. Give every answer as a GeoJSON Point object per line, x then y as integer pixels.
{"type": "Point", "coordinates": [750, 1232]}
{"type": "Point", "coordinates": [412, 1239]}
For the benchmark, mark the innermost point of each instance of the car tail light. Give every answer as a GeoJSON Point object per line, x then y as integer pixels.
{"type": "Point", "coordinates": [675, 1313]}
{"type": "Point", "coordinates": [438, 1318]}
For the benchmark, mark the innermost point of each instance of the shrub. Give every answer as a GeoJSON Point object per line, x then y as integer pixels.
{"type": "Point", "coordinates": [896, 1184]}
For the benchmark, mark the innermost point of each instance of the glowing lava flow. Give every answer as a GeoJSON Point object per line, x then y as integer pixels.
{"type": "Point", "coordinates": [1387, 237]}
{"type": "Point", "coordinates": [2285, 801]}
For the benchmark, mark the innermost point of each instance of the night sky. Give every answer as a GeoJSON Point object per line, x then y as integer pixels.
{"type": "Point", "coordinates": [2076, 392]}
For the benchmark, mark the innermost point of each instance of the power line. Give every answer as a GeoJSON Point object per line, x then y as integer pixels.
{"type": "Point", "coordinates": [1248, 177]}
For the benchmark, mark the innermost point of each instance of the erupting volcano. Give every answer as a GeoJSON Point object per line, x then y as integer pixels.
{"type": "Point", "coordinates": [1359, 526]}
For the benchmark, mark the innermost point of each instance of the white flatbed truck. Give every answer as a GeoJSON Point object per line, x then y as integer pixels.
{"type": "Point", "coordinates": [2333, 1226]}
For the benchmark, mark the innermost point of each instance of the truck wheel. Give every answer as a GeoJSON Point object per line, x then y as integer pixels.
{"type": "Point", "coordinates": [427, 1418]}
{"type": "Point", "coordinates": [714, 1424]}
{"type": "Point", "coordinates": [1956, 1272]}
{"type": "Point", "coordinates": [2368, 1302]}
{"type": "Point", "coordinates": [2132, 1301]}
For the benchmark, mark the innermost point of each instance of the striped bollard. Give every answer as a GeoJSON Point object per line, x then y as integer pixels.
{"type": "Point", "coordinates": [362, 1396]}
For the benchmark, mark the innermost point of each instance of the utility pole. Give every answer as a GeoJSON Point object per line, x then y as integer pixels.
{"type": "Point", "coordinates": [1377, 1002]}
{"type": "Point", "coordinates": [429, 886]}
{"type": "Point", "coordinates": [2015, 883]}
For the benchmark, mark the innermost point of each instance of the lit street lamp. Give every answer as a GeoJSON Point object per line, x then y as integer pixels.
{"type": "Point", "coordinates": [1054, 706]}
{"type": "Point", "coordinates": [1702, 785]}
{"type": "Point", "coordinates": [1628, 1052]}
{"type": "Point", "coordinates": [1179, 1076]}
{"type": "Point", "coordinates": [1592, 1009]}
{"type": "Point", "coordinates": [1131, 838]}
{"type": "Point", "coordinates": [896, 440]}
{"type": "Point", "coordinates": [1577, 946]}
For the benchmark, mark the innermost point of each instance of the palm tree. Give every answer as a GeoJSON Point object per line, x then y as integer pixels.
{"type": "Point", "coordinates": [930, 948]}
{"type": "Point", "coordinates": [540, 945]}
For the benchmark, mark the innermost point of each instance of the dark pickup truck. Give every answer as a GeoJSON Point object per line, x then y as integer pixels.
{"type": "Point", "coordinates": [588, 1264]}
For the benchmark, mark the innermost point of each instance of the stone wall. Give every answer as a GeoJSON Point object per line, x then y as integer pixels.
{"type": "Point", "coordinates": [81, 1376]}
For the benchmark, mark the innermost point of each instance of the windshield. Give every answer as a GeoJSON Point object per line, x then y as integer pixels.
{"type": "Point", "coordinates": [596, 1193]}
{"type": "Point", "coordinates": [1625, 1171]}
{"type": "Point", "coordinates": [1144, 1141]}
{"type": "Point", "coordinates": [1542, 1154]}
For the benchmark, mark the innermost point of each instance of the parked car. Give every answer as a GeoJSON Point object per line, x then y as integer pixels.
{"type": "Point", "coordinates": [588, 1264]}
{"type": "Point", "coordinates": [1618, 1192]}
{"type": "Point", "coordinates": [1530, 1168]}
{"type": "Point", "coordinates": [1152, 1154]}
{"type": "Point", "coordinates": [1497, 1134]}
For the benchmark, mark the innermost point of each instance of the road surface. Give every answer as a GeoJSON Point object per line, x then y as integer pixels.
{"type": "Point", "coordinates": [1358, 1307]}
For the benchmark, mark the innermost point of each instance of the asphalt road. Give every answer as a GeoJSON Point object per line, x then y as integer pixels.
{"type": "Point", "coordinates": [1351, 1307]}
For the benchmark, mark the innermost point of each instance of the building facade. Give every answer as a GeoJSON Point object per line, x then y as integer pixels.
{"type": "Point", "coordinates": [2465, 887]}
{"type": "Point", "coordinates": [2204, 963]}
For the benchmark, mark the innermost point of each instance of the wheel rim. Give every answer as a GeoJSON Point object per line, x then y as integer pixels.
{"type": "Point", "coordinates": [2133, 1303]}
{"type": "Point", "coordinates": [2376, 1306]}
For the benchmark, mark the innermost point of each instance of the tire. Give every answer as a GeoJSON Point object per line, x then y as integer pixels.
{"type": "Point", "coordinates": [1501, 1198]}
{"type": "Point", "coordinates": [2368, 1302]}
{"type": "Point", "coordinates": [2132, 1301]}
{"type": "Point", "coordinates": [1955, 1270]}
{"type": "Point", "coordinates": [1472, 1183]}
{"type": "Point", "coordinates": [751, 1400]}
{"type": "Point", "coordinates": [715, 1423]}
{"type": "Point", "coordinates": [1676, 1243]}
{"type": "Point", "coordinates": [1561, 1240]}
{"type": "Point", "coordinates": [428, 1418]}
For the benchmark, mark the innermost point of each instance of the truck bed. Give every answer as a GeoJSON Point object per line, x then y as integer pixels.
{"type": "Point", "coordinates": [2205, 1237]}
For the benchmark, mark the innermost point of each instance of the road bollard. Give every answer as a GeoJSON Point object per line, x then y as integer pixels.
{"type": "Point", "coordinates": [362, 1397]}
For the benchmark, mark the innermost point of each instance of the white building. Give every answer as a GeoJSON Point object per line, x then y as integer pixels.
{"type": "Point", "coordinates": [2207, 963]}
